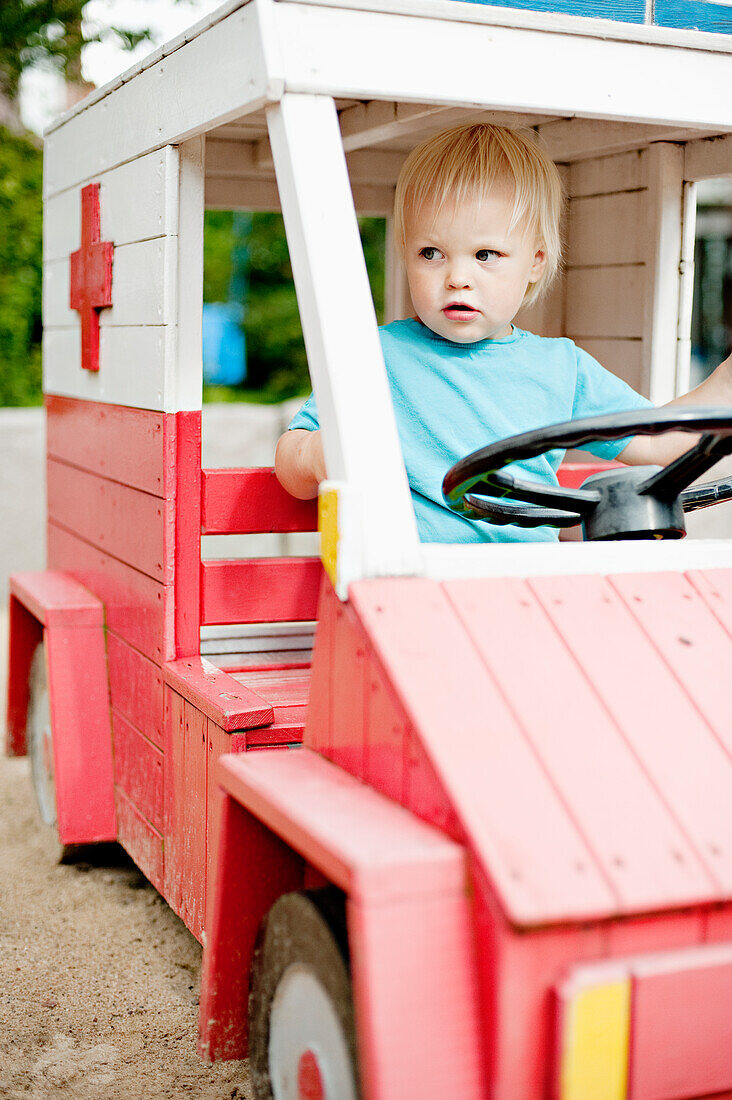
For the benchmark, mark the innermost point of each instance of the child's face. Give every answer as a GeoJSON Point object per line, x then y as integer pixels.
{"type": "Point", "coordinates": [467, 272]}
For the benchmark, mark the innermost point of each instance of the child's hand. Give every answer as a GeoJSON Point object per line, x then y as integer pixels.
{"type": "Point", "coordinates": [300, 463]}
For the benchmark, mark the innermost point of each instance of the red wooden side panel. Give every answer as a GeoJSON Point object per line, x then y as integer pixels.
{"type": "Point", "coordinates": [136, 688]}
{"type": "Point", "coordinates": [133, 446]}
{"type": "Point", "coordinates": [385, 765]}
{"type": "Point", "coordinates": [141, 840]}
{"type": "Point", "coordinates": [82, 736]}
{"type": "Point", "coordinates": [680, 754]}
{"type": "Point", "coordinates": [186, 752]}
{"type": "Point", "coordinates": [582, 750]}
{"type": "Point", "coordinates": [138, 770]}
{"type": "Point", "coordinates": [188, 533]}
{"type": "Point", "coordinates": [218, 695]}
{"type": "Point", "coordinates": [691, 640]}
{"type": "Point", "coordinates": [260, 590]}
{"type": "Point", "coordinates": [541, 865]}
{"type": "Point", "coordinates": [349, 695]}
{"type": "Point", "coordinates": [25, 633]}
{"type": "Point", "coordinates": [318, 733]}
{"type": "Point", "coordinates": [715, 588]}
{"type": "Point", "coordinates": [135, 527]}
{"type": "Point", "coordinates": [137, 608]}
{"type": "Point", "coordinates": [251, 501]}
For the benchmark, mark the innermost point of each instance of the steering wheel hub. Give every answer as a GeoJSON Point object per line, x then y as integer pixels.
{"type": "Point", "coordinates": [623, 512]}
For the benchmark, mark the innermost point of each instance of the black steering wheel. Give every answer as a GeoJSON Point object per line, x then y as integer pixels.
{"type": "Point", "coordinates": [631, 502]}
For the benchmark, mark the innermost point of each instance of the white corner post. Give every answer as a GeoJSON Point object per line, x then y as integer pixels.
{"type": "Point", "coordinates": [362, 450]}
{"type": "Point", "coordinates": [186, 363]}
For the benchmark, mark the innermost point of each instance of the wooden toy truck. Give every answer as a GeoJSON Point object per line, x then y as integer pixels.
{"type": "Point", "coordinates": [500, 862]}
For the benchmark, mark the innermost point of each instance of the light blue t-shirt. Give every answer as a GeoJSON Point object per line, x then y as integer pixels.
{"type": "Point", "coordinates": [450, 399]}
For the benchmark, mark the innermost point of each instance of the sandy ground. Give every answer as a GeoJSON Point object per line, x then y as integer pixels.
{"type": "Point", "coordinates": [99, 979]}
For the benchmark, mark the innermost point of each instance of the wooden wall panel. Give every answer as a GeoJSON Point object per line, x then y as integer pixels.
{"type": "Point", "coordinates": [138, 770]}
{"type": "Point", "coordinates": [260, 590]}
{"type": "Point", "coordinates": [140, 839]}
{"type": "Point", "coordinates": [622, 357]}
{"type": "Point", "coordinates": [134, 446]}
{"type": "Point", "coordinates": [605, 302]}
{"type": "Point", "coordinates": [186, 752]}
{"type": "Point", "coordinates": [136, 688]}
{"type": "Point", "coordinates": [606, 229]}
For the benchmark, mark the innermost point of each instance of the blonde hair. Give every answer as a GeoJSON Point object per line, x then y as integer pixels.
{"type": "Point", "coordinates": [465, 162]}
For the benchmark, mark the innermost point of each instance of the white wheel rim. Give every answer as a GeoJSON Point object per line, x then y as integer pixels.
{"type": "Point", "coordinates": [303, 1021]}
{"type": "Point", "coordinates": [40, 741]}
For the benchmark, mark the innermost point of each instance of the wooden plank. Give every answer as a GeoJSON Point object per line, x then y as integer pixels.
{"type": "Point", "coordinates": [693, 643]}
{"type": "Point", "coordinates": [715, 588]}
{"type": "Point", "coordinates": [539, 865]}
{"type": "Point", "coordinates": [135, 527]}
{"type": "Point", "coordinates": [708, 158]}
{"type": "Point", "coordinates": [187, 281]}
{"type": "Point", "coordinates": [56, 599]}
{"type": "Point", "coordinates": [136, 688]}
{"type": "Point", "coordinates": [606, 229]}
{"type": "Point", "coordinates": [138, 769]}
{"type": "Point", "coordinates": [226, 701]}
{"type": "Point", "coordinates": [673, 744]}
{"type": "Point", "coordinates": [25, 633]}
{"type": "Point", "coordinates": [134, 206]}
{"type": "Point", "coordinates": [137, 608]}
{"type": "Point", "coordinates": [188, 534]}
{"type": "Point", "coordinates": [186, 755]}
{"type": "Point", "coordinates": [385, 749]}
{"type": "Point", "coordinates": [583, 751]}
{"type": "Point", "coordinates": [140, 839]}
{"type": "Point", "coordinates": [133, 446]}
{"type": "Point", "coordinates": [318, 730]}
{"type": "Point", "coordinates": [247, 501]}
{"type": "Point", "coordinates": [349, 694]}
{"type": "Point", "coordinates": [141, 294]}
{"type": "Point", "coordinates": [608, 174]}
{"type": "Point", "coordinates": [259, 590]}
{"type": "Point", "coordinates": [132, 366]}
{"type": "Point", "coordinates": [605, 302]}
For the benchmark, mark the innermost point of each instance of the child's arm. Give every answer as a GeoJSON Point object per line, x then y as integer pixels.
{"type": "Point", "coordinates": [659, 450]}
{"type": "Point", "coordinates": [299, 462]}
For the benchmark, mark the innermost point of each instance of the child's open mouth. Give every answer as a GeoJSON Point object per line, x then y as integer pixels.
{"type": "Point", "coordinates": [460, 311]}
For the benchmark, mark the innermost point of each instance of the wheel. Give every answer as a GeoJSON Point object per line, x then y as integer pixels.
{"type": "Point", "coordinates": [640, 502]}
{"type": "Point", "coordinates": [39, 740]}
{"type": "Point", "coordinates": [302, 1040]}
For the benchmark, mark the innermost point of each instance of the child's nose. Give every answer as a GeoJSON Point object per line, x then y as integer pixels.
{"type": "Point", "coordinates": [457, 277]}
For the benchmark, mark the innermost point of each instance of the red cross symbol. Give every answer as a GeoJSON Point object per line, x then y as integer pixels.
{"type": "Point", "coordinates": [91, 276]}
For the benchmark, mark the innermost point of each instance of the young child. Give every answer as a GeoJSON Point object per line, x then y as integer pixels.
{"type": "Point", "coordinates": [477, 211]}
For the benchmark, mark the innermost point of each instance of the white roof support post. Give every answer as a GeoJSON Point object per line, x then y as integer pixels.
{"type": "Point", "coordinates": [362, 449]}
{"type": "Point", "coordinates": [686, 289]}
{"type": "Point", "coordinates": [186, 364]}
{"type": "Point", "coordinates": [665, 195]}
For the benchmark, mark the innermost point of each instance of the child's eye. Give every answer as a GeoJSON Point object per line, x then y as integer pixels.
{"type": "Point", "coordinates": [429, 253]}
{"type": "Point", "coordinates": [486, 254]}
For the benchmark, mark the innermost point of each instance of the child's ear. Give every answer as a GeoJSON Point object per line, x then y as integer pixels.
{"type": "Point", "coordinates": [538, 265]}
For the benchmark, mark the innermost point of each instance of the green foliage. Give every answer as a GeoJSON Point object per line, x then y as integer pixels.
{"type": "Point", "coordinates": [20, 270]}
{"type": "Point", "coordinates": [276, 360]}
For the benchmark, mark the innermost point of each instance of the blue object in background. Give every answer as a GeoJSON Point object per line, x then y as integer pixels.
{"type": "Point", "coordinates": [224, 352]}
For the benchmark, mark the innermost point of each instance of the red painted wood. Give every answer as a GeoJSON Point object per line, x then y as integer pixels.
{"type": "Point", "coordinates": [138, 770]}
{"type": "Point", "coordinates": [318, 734]}
{"type": "Point", "coordinates": [217, 694]}
{"type": "Point", "coordinates": [55, 598]}
{"type": "Point", "coordinates": [132, 526]}
{"type": "Point", "coordinates": [673, 744]}
{"type": "Point", "coordinates": [285, 690]}
{"type": "Point", "coordinates": [681, 1024]}
{"type": "Point", "coordinates": [90, 278]}
{"type": "Point", "coordinates": [188, 534]}
{"type": "Point", "coordinates": [386, 739]}
{"type": "Point", "coordinates": [249, 501]}
{"type": "Point", "coordinates": [137, 608]}
{"type": "Point", "coordinates": [279, 733]}
{"type": "Point", "coordinates": [656, 932]}
{"type": "Point", "coordinates": [260, 590]}
{"type": "Point", "coordinates": [136, 688]}
{"type": "Point", "coordinates": [423, 791]}
{"type": "Point", "coordinates": [186, 754]}
{"type": "Point", "coordinates": [253, 867]}
{"type": "Point", "coordinates": [25, 634]}
{"type": "Point", "coordinates": [572, 474]}
{"type": "Point", "coordinates": [582, 750]}
{"type": "Point", "coordinates": [82, 736]}
{"type": "Point", "coordinates": [133, 446]}
{"type": "Point", "coordinates": [540, 865]}
{"type": "Point", "coordinates": [691, 640]}
{"type": "Point", "coordinates": [349, 694]}
{"type": "Point", "coordinates": [715, 588]}
{"type": "Point", "coordinates": [141, 840]}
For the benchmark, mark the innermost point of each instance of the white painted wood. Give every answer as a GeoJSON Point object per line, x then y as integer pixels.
{"type": "Point", "coordinates": [341, 336]}
{"type": "Point", "coordinates": [606, 229]}
{"type": "Point", "coordinates": [132, 203]}
{"type": "Point", "coordinates": [686, 289]}
{"type": "Point", "coordinates": [623, 357]}
{"type": "Point", "coordinates": [239, 194]}
{"type": "Point", "coordinates": [608, 174]}
{"type": "Point", "coordinates": [494, 66]}
{"type": "Point", "coordinates": [708, 158]}
{"type": "Point", "coordinates": [605, 302]}
{"type": "Point", "coordinates": [184, 367]}
{"type": "Point", "coordinates": [443, 561]}
{"type": "Point", "coordinates": [132, 366]}
{"type": "Point", "coordinates": [578, 139]}
{"type": "Point", "coordinates": [663, 225]}
{"type": "Point", "coordinates": [138, 288]}
{"type": "Point", "coordinates": [230, 69]}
